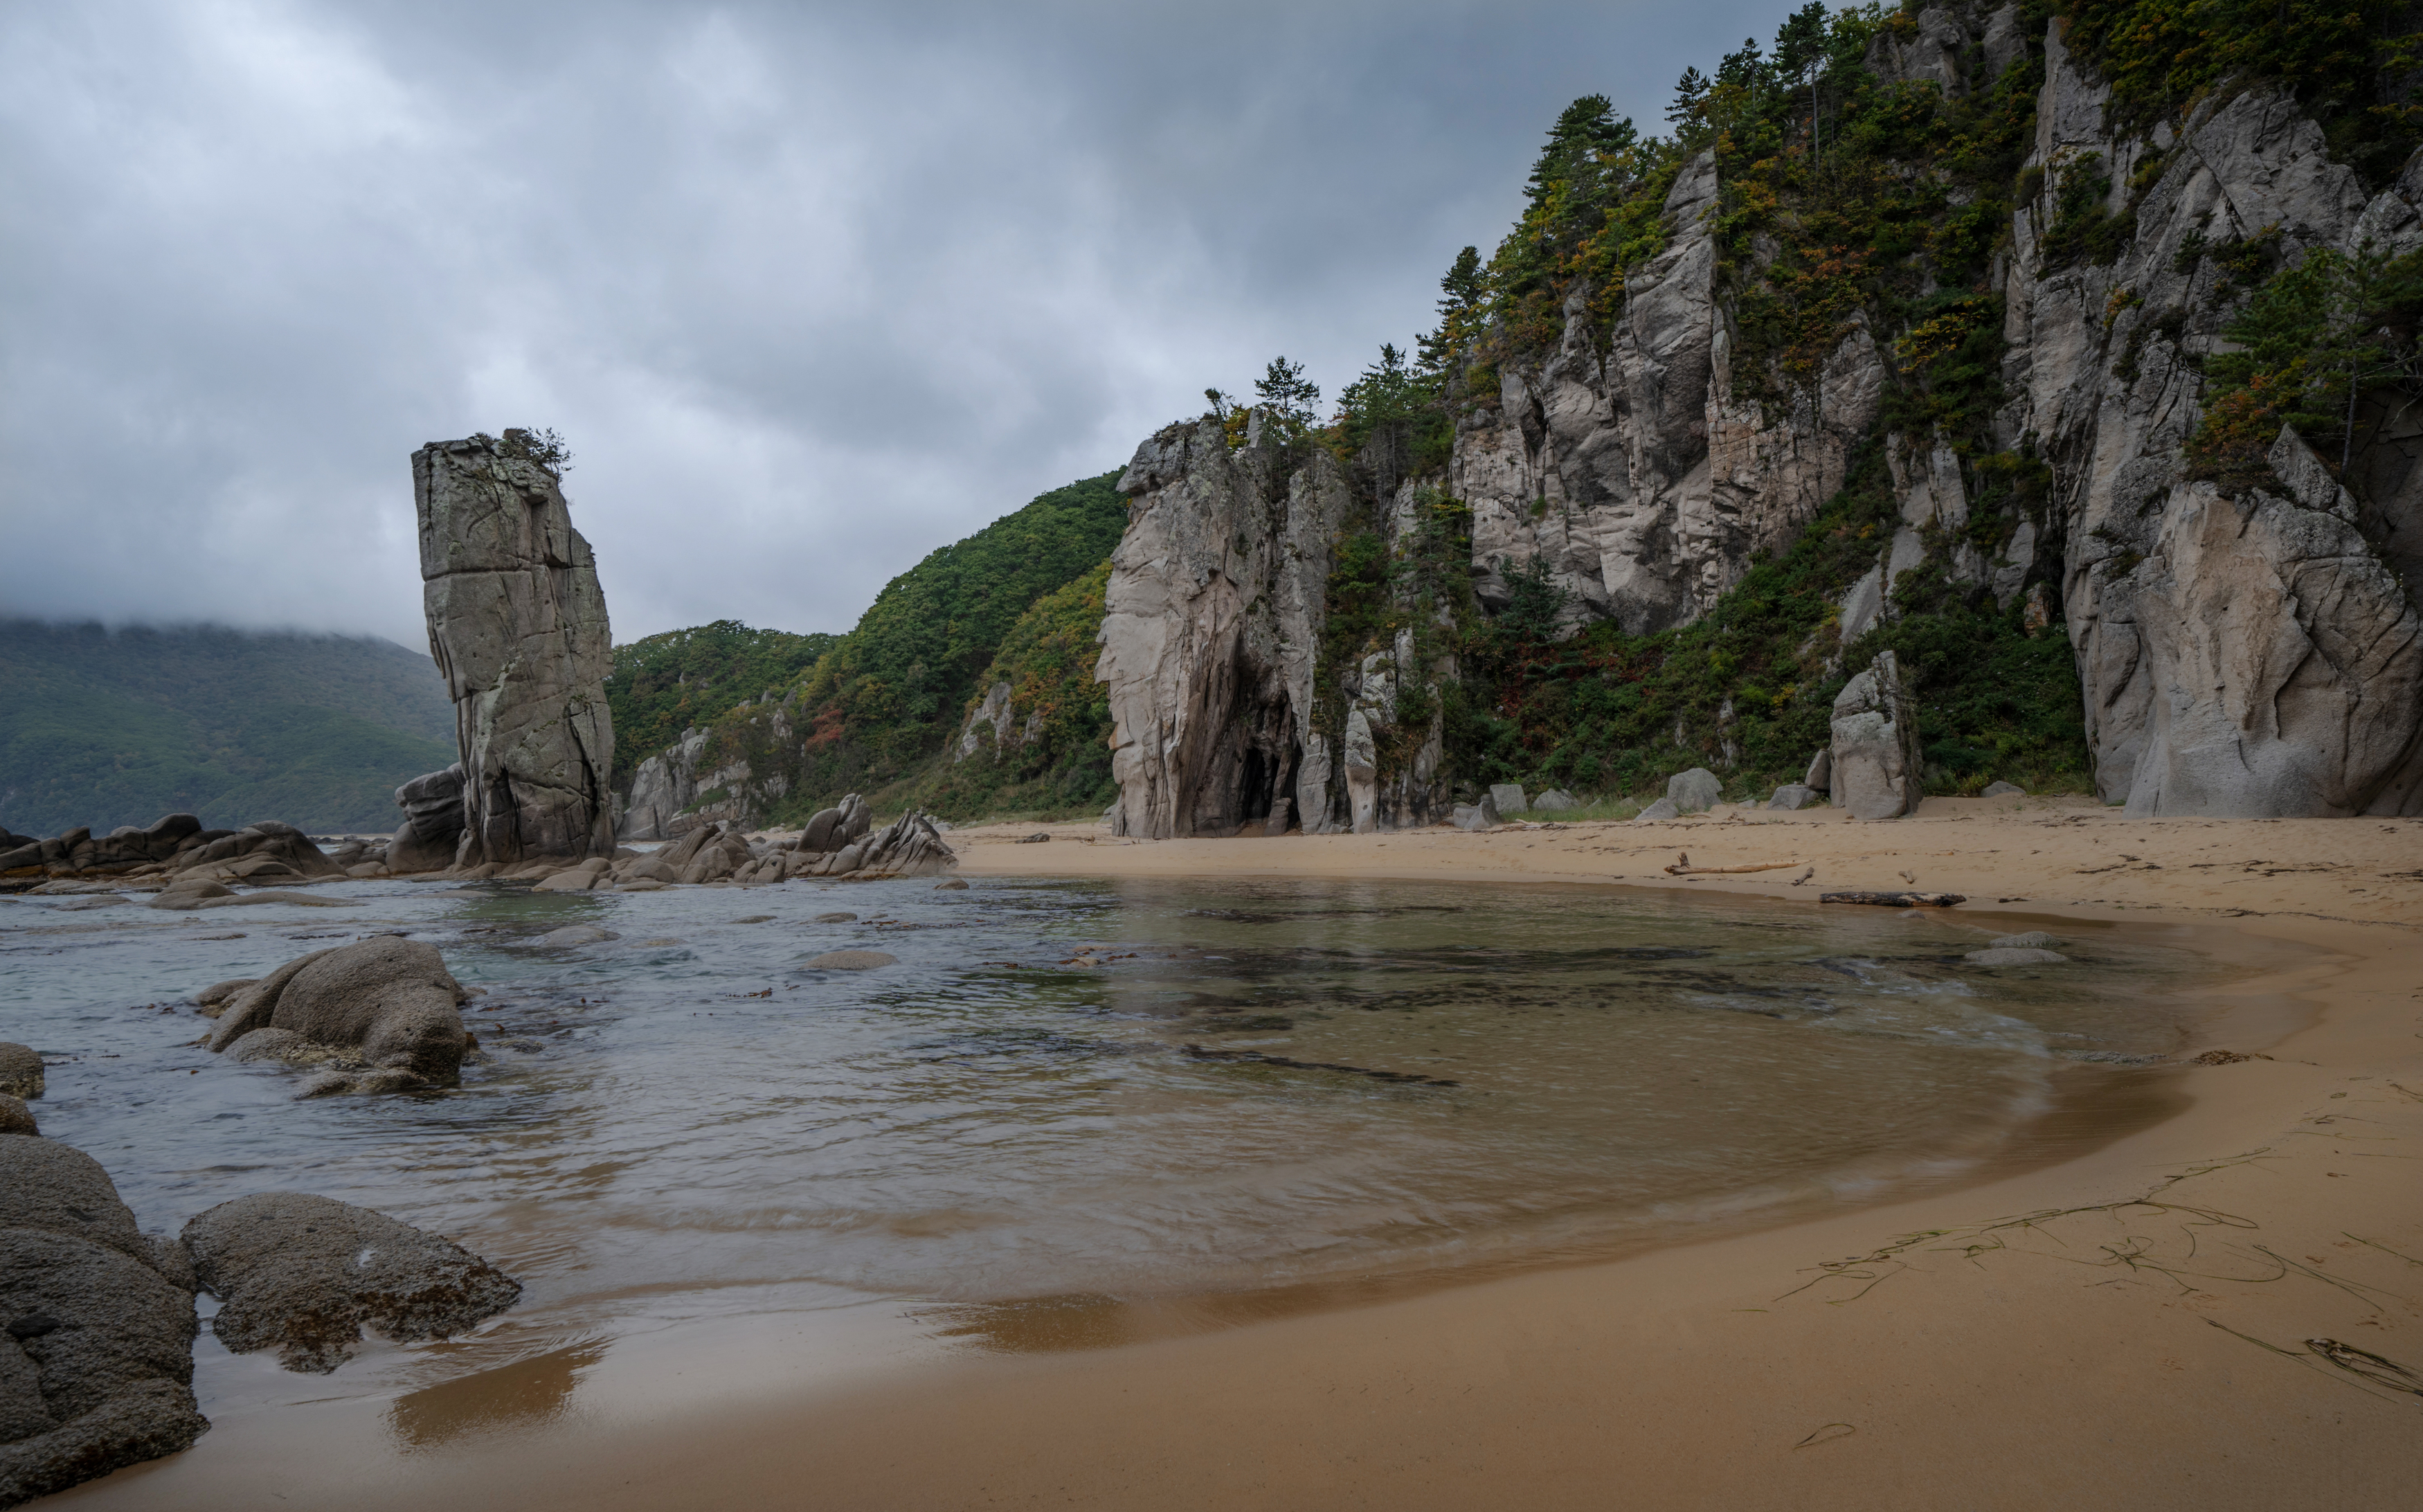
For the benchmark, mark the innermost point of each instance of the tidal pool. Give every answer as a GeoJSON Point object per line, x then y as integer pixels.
{"type": "Point", "coordinates": [1127, 1090]}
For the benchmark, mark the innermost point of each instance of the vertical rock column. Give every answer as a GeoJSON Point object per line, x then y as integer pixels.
{"type": "Point", "coordinates": [517, 625]}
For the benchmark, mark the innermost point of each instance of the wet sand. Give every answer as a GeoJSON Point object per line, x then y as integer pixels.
{"type": "Point", "coordinates": [2219, 1307]}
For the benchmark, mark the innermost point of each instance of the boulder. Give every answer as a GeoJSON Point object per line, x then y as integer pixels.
{"type": "Point", "coordinates": [1876, 762]}
{"type": "Point", "coordinates": [2004, 789]}
{"type": "Point", "coordinates": [517, 623]}
{"type": "Point", "coordinates": [274, 895]}
{"type": "Point", "coordinates": [1555, 801]}
{"type": "Point", "coordinates": [951, 884]}
{"type": "Point", "coordinates": [1821, 771]}
{"type": "Point", "coordinates": [1793, 796]}
{"type": "Point", "coordinates": [1695, 792]}
{"type": "Point", "coordinates": [303, 1275]}
{"type": "Point", "coordinates": [16, 1116]}
{"type": "Point", "coordinates": [1657, 812]}
{"type": "Point", "coordinates": [21, 1070]}
{"type": "Point", "coordinates": [97, 1368]}
{"type": "Point", "coordinates": [1508, 796]}
{"type": "Point", "coordinates": [2032, 940]}
{"type": "Point", "coordinates": [833, 828]}
{"type": "Point", "coordinates": [851, 960]}
{"type": "Point", "coordinates": [433, 822]}
{"type": "Point", "coordinates": [1470, 817]}
{"type": "Point", "coordinates": [188, 895]}
{"type": "Point", "coordinates": [835, 919]}
{"type": "Point", "coordinates": [385, 1004]}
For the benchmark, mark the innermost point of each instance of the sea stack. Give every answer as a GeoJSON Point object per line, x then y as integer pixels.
{"type": "Point", "coordinates": [518, 626]}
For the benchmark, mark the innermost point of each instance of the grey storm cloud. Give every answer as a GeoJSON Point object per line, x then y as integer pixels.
{"type": "Point", "coordinates": [811, 290]}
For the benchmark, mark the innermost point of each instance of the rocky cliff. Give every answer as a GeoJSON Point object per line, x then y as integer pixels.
{"type": "Point", "coordinates": [1912, 338]}
{"type": "Point", "coordinates": [517, 625]}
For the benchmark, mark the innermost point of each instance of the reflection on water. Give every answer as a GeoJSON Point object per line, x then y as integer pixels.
{"type": "Point", "coordinates": [1078, 1099]}
{"type": "Point", "coordinates": [528, 1393]}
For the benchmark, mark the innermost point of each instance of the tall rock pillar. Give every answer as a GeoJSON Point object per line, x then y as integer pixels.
{"type": "Point", "coordinates": [517, 625]}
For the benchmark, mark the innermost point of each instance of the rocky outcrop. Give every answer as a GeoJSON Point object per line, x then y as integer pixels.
{"type": "Point", "coordinates": [910, 846]}
{"type": "Point", "coordinates": [303, 1275]}
{"type": "Point", "coordinates": [2250, 656]}
{"type": "Point", "coordinates": [663, 788]}
{"type": "Point", "coordinates": [21, 1070]}
{"type": "Point", "coordinates": [1211, 628]}
{"type": "Point", "coordinates": [1876, 765]}
{"type": "Point", "coordinates": [1628, 470]}
{"type": "Point", "coordinates": [433, 824]}
{"type": "Point", "coordinates": [383, 1013]}
{"type": "Point", "coordinates": [518, 626]}
{"type": "Point", "coordinates": [97, 1368]}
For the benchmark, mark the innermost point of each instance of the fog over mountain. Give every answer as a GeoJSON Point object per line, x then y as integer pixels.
{"type": "Point", "coordinates": [811, 290]}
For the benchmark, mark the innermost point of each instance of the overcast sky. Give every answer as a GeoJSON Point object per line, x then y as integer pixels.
{"type": "Point", "coordinates": [811, 289]}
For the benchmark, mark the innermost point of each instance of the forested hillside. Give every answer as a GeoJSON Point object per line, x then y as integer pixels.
{"type": "Point", "coordinates": [106, 727]}
{"type": "Point", "coordinates": [880, 709]}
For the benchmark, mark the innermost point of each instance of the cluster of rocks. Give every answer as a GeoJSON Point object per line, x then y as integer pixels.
{"type": "Point", "coordinates": [97, 1368]}
{"type": "Point", "coordinates": [174, 848]}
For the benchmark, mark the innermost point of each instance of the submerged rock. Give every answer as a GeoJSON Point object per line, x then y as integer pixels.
{"type": "Point", "coordinates": [2032, 940]}
{"type": "Point", "coordinates": [388, 1003]}
{"type": "Point", "coordinates": [851, 960]}
{"type": "Point", "coordinates": [96, 1369]}
{"type": "Point", "coordinates": [305, 1274]}
{"type": "Point", "coordinates": [2014, 956]}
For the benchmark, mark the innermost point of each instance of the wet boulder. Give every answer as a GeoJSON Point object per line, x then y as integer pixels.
{"type": "Point", "coordinates": [21, 1070]}
{"type": "Point", "coordinates": [433, 822]}
{"type": "Point", "coordinates": [385, 1004]}
{"type": "Point", "coordinates": [303, 1275]}
{"type": "Point", "coordinates": [96, 1369]}
{"type": "Point", "coordinates": [16, 1117]}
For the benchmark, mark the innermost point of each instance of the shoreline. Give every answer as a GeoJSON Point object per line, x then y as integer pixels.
{"type": "Point", "coordinates": [2128, 1320]}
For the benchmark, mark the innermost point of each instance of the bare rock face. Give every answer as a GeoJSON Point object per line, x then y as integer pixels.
{"type": "Point", "coordinates": [1628, 468]}
{"type": "Point", "coordinates": [1876, 763]}
{"type": "Point", "coordinates": [385, 1006]}
{"type": "Point", "coordinates": [2251, 657]}
{"type": "Point", "coordinates": [1212, 626]}
{"type": "Point", "coordinates": [910, 846]}
{"type": "Point", "coordinates": [665, 785]}
{"type": "Point", "coordinates": [97, 1367]}
{"type": "Point", "coordinates": [303, 1274]}
{"type": "Point", "coordinates": [830, 829]}
{"type": "Point", "coordinates": [518, 626]}
{"type": "Point", "coordinates": [2282, 664]}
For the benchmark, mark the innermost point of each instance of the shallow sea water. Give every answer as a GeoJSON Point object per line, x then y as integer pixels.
{"type": "Point", "coordinates": [1125, 1090]}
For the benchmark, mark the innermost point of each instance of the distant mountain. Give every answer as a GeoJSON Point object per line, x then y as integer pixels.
{"type": "Point", "coordinates": [106, 727]}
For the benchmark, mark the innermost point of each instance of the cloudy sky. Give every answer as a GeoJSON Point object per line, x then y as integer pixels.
{"type": "Point", "coordinates": [811, 289]}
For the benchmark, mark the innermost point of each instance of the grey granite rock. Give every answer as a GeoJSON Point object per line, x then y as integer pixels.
{"type": "Point", "coordinates": [1657, 812]}
{"type": "Point", "coordinates": [305, 1275]}
{"type": "Point", "coordinates": [388, 1001]}
{"type": "Point", "coordinates": [97, 1365]}
{"type": "Point", "coordinates": [21, 1069]}
{"type": "Point", "coordinates": [2004, 789]}
{"type": "Point", "coordinates": [1793, 796]}
{"type": "Point", "coordinates": [519, 626]}
{"type": "Point", "coordinates": [1695, 792]}
{"type": "Point", "coordinates": [1555, 801]}
{"type": "Point", "coordinates": [1509, 797]}
{"type": "Point", "coordinates": [1877, 764]}
{"type": "Point", "coordinates": [2032, 940]}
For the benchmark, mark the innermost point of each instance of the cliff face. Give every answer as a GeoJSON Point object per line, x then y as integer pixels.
{"type": "Point", "coordinates": [2255, 655]}
{"type": "Point", "coordinates": [1211, 634]}
{"type": "Point", "coordinates": [517, 625]}
{"type": "Point", "coordinates": [1623, 465]}
{"type": "Point", "coordinates": [2248, 650]}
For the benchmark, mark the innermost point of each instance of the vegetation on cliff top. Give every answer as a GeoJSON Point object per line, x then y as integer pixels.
{"type": "Point", "coordinates": [667, 683]}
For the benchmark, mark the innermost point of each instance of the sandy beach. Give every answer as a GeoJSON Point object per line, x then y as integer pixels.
{"type": "Point", "coordinates": [2221, 1305]}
